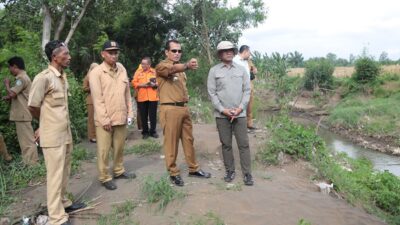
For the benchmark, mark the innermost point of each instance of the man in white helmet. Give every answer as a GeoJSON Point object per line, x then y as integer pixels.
{"type": "Point", "coordinates": [228, 85]}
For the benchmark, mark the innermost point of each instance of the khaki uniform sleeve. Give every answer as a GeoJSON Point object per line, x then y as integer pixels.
{"type": "Point", "coordinates": [164, 69]}
{"type": "Point", "coordinates": [37, 92]}
{"type": "Point", "coordinates": [128, 99]}
{"type": "Point", "coordinates": [97, 97]}
{"type": "Point", "coordinates": [20, 85]}
{"type": "Point", "coordinates": [85, 86]}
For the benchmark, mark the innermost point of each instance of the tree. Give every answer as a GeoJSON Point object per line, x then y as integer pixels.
{"type": "Point", "coordinates": [318, 74]}
{"type": "Point", "coordinates": [207, 22]}
{"type": "Point", "coordinates": [384, 59]}
{"type": "Point", "coordinates": [331, 57]}
{"type": "Point", "coordinates": [295, 59]}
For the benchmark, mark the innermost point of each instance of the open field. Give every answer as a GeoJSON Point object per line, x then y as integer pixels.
{"type": "Point", "coordinates": [345, 71]}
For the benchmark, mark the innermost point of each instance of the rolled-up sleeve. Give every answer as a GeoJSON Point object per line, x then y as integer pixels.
{"type": "Point", "coordinates": [246, 91]}
{"type": "Point", "coordinates": [97, 97]}
{"type": "Point", "coordinates": [212, 91]}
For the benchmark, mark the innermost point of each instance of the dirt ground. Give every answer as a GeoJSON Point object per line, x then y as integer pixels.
{"type": "Point", "coordinates": [281, 195]}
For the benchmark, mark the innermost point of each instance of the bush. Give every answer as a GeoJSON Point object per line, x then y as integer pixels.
{"type": "Point", "coordinates": [318, 74]}
{"type": "Point", "coordinates": [366, 70]}
{"type": "Point", "coordinates": [77, 109]}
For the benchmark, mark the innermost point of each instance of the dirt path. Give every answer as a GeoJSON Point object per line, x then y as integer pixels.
{"type": "Point", "coordinates": [281, 195]}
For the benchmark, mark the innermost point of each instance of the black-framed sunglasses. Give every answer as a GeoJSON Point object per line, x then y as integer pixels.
{"type": "Point", "coordinates": [176, 51]}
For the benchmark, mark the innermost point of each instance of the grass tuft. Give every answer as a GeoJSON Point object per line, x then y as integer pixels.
{"type": "Point", "coordinates": [147, 147]}
{"type": "Point", "coordinates": [120, 215]}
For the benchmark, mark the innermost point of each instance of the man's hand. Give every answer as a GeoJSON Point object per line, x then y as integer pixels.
{"type": "Point", "coordinates": [37, 135]}
{"type": "Point", "coordinates": [237, 111]}
{"type": "Point", "coordinates": [129, 121]}
{"type": "Point", "coordinates": [107, 127]}
{"type": "Point", "coordinates": [7, 82]}
{"type": "Point", "coordinates": [254, 69]}
{"type": "Point", "coordinates": [192, 64]}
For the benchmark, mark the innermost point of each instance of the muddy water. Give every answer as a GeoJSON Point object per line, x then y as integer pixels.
{"type": "Point", "coordinates": [337, 143]}
{"type": "Point", "coordinates": [380, 160]}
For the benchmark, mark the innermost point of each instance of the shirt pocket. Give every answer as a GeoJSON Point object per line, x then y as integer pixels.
{"type": "Point", "coordinates": [57, 99]}
{"type": "Point", "coordinates": [220, 81]}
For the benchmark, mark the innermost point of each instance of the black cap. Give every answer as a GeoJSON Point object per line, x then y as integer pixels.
{"type": "Point", "coordinates": [110, 45]}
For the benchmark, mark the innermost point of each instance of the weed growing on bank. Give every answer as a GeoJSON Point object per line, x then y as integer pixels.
{"type": "Point", "coordinates": [15, 176]}
{"type": "Point", "coordinates": [120, 215]}
{"type": "Point", "coordinates": [159, 191]}
{"type": "Point", "coordinates": [147, 147]}
{"type": "Point", "coordinates": [354, 179]}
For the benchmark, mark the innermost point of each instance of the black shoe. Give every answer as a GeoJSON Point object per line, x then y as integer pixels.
{"type": "Point", "coordinates": [110, 185]}
{"type": "Point", "coordinates": [75, 206]}
{"type": "Point", "coordinates": [229, 176]}
{"type": "Point", "coordinates": [248, 179]}
{"type": "Point", "coordinates": [154, 135]}
{"type": "Point", "coordinates": [67, 223]}
{"type": "Point", "coordinates": [126, 175]}
{"type": "Point", "coordinates": [177, 180]}
{"type": "Point", "coordinates": [200, 174]}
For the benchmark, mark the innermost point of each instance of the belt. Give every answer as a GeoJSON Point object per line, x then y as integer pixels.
{"type": "Point", "coordinates": [181, 104]}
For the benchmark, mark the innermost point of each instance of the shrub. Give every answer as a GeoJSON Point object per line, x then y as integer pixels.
{"type": "Point", "coordinates": [318, 74]}
{"type": "Point", "coordinates": [366, 70]}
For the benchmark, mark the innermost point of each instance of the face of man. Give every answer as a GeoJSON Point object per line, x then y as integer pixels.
{"type": "Point", "coordinates": [13, 70]}
{"type": "Point", "coordinates": [62, 57]}
{"type": "Point", "coordinates": [110, 57]}
{"type": "Point", "coordinates": [145, 65]}
{"type": "Point", "coordinates": [246, 54]}
{"type": "Point", "coordinates": [175, 52]}
{"type": "Point", "coordinates": [227, 55]}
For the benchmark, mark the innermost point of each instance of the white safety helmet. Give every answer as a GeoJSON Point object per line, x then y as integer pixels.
{"type": "Point", "coordinates": [224, 45]}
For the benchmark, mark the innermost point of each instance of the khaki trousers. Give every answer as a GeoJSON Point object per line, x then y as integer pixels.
{"type": "Point", "coordinates": [105, 142]}
{"type": "Point", "coordinates": [26, 141]}
{"type": "Point", "coordinates": [91, 129]}
{"type": "Point", "coordinates": [249, 110]}
{"type": "Point", "coordinates": [238, 128]}
{"type": "Point", "coordinates": [58, 167]}
{"type": "Point", "coordinates": [3, 150]}
{"type": "Point", "coordinates": [176, 124]}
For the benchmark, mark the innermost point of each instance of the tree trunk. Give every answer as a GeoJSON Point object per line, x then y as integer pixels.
{"type": "Point", "coordinates": [61, 23]}
{"type": "Point", "coordinates": [205, 33]}
{"type": "Point", "coordinates": [46, 25]}
{"type": "Point", "coordinates": [76, 22]}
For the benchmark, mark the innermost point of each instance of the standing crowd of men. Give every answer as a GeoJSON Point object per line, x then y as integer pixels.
{"type": "Point", "coordinates": [110, 110]}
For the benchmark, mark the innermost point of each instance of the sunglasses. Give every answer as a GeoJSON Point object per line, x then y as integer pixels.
{"type": "Point", "coordinates": [176, 51]}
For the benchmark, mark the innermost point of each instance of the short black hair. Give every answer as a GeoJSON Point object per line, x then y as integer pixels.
{"type": "Point", "coordinates": [167, 44]}
{"type": "Point", "coordinates": [17, 61]}
{"type": "Point", "coordinates": [51, 46]}
{"type": "Point", "coordinates": [243, 48]}
{"type": "Point", "coordinates": [147, 59]}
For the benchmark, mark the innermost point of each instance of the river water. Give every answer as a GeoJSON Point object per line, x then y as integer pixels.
{"type": "Point", "coordinates": [337, 143]}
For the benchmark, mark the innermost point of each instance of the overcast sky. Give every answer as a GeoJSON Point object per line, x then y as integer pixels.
{"type": "Point", "coordinates": [317, 27]}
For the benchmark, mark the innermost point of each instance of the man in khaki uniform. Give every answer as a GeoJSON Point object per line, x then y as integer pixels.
{"type": "Point", "coordinates": [3, 150]}
{"type": "Point", "coordinates": [19, 113]}
{"type": "Point", "coordinates": [48, 101]}
{"type": "Point", "coordinates": [109, 86]}
{"type": "Point", "coordinates": [91, 129]}
{"type": "Point", "coordinates": [174, 113]}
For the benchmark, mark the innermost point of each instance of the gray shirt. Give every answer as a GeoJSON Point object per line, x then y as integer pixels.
{"type": "Point", "coordinates": [228, 87]}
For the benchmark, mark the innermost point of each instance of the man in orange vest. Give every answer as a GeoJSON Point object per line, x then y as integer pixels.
{"type": "Point", "coordinates": [144, 81]}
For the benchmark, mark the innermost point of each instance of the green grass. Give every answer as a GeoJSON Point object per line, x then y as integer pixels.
{"type": "Point", "coordinates": [379, 116]}
{"type": "Point", "coordinates": [120, 215]}
{"type": "Point", "coordinates": [229, 186]}
{"type": "Point", "coordinates": [147, 147]}
{"type": "Point", "coordinates": [303, 222]}
{"type": "Point", "coordinates": [15, 176]}
{"type": "Point", "coordinates": [159, 191]}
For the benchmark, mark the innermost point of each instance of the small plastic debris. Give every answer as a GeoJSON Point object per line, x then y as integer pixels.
{"type": "Point", "coordinates": [324, 187]}
{"type": "Point", "coordinates": [42, 220]}
{"type": "Point", "coordinates": [25, 220]}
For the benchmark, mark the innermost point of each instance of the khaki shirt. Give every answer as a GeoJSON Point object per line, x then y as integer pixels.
{"type": "Point", "coordinates": [19, 105]}
{"type": "Point", "coordinates": [110, 94]}
{"type": "Point", "coordinates": [49, 91]}
{"type": "Point", "coordinates": [86, 88]}
{"type": "Point", "coordinates": [171, 86]}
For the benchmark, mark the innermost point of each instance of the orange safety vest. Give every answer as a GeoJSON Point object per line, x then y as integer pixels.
{"type": "Point", "coordinates": [142, 77]}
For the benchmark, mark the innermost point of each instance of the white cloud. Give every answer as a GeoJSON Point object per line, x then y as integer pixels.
{"type": "Point", "coordinates": [316, 27]}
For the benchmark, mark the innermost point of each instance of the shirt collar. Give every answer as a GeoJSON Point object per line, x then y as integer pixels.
{"type": "Point", "coordinates": [21, 74]}
{"type": "Point", "coordinates": [55, 71]}
{"type": "Point", "coordinates": [223, 65]}
{"type": "Point", "coordinates": [107, 68]}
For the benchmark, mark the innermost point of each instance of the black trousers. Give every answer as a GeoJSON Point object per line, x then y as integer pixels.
{"type": "Point", "coordinates": [148, 110]}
